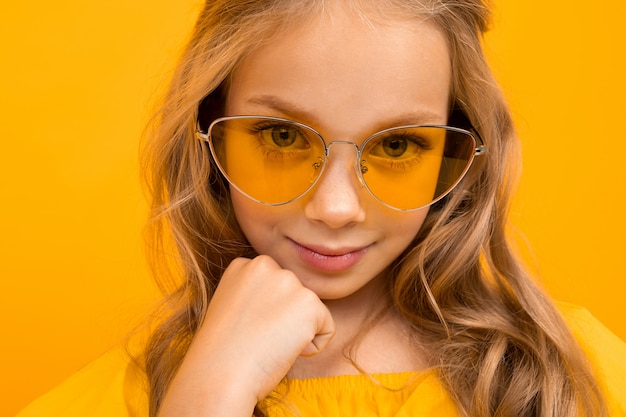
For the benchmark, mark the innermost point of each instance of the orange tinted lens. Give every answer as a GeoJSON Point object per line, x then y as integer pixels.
{"type": "Point", "coordinates": [409, 168]}
{"type": "Point", "coordinates": [273, 161]}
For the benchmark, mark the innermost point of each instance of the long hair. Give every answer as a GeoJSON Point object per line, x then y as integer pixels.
{"type": "Point", "coordinates": [500, 347]}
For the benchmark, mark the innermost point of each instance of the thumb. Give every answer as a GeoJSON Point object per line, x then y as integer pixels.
{"type": "Point", "coordinates": [325, 333]}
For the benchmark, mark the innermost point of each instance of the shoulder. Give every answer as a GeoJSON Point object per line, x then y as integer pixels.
{"type": "Point", "coordinates": [112, 385]}
{"type": "Point", "coordinates": [606, 352]}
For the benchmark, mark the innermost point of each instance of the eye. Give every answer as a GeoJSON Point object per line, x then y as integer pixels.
{"type": "Point", "coordinates": [394, 147]}
{"type": "Point", "coordinates": [400, 146]}
{"type": "Point", "coordinates": [281, 135]}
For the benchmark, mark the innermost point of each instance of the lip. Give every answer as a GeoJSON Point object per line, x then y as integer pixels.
{"type": "Point", "coordinates": [329, 259]}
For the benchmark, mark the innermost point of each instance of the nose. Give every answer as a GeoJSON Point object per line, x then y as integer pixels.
{"type": "Point", "coordinates": [336, 199]}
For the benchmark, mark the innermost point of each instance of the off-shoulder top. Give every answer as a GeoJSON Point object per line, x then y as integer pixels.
{"type": "Point", "coordinates": [114, 386]}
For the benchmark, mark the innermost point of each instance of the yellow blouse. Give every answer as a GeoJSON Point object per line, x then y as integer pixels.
{"type": "Point", "coordinates": [113, 386]}
{"type": "Point", "coordinates": [387, 395]}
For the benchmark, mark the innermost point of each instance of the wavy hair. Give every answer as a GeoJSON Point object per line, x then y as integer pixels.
{"type": "Point", "coordinates": [500, 346]}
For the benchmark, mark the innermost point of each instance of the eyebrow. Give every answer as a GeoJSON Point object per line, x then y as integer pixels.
{"type": "Point", "coordinates": [284, 108]}
{"type": "Point", "coordinates": [422, 117]}
{"type": "Point", "coordinates": [295, 112]}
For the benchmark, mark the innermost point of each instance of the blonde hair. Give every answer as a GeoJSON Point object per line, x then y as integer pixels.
{"type": "Point", "coordinates": [500, 346]}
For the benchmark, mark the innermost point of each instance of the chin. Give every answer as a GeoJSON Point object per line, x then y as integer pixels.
{"type": "Point", "coordinates": [331, 288]}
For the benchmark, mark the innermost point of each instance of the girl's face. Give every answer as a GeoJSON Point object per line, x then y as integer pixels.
{"type": "Point", "coordinates": [347, 78]}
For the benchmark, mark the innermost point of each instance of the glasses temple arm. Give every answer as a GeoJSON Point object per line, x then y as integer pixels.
{"type": "Point", "coordinates": [200, 134]}
{"type": "Point", "coordinates": [481, 148]}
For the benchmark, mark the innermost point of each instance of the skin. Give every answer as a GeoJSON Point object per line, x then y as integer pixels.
{"type": "Point", "coordinates": [295, 308]}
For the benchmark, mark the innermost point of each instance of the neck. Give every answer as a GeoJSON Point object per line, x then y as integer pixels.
{"type": "Point", "coordinates": [370, 337]}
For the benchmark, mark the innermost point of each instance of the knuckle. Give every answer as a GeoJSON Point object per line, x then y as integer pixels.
{"type": "Point", "coordinates": [239, 262]}
{"type": "Point", "coordinates": [264, 260]}
{"type": "Point", "coordinates": [309, 298]}
{"type": "Point", "coordinates": [287, 280]}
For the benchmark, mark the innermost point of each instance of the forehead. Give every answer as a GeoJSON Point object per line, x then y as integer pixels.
{"type": "Point", "coordinates": [341, 67]}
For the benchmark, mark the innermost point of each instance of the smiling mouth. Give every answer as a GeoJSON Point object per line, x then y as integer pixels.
{"type": "Point", "coordinates": [330, 260]}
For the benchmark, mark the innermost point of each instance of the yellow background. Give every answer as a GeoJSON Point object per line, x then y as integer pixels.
{"type": "Point", "coordinates": [77, 80]}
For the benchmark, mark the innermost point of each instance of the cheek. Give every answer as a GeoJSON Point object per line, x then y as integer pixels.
{"type": "Point", "coordinates": [256, 221]}
{"type": "Point", "coordinates": [249, 214]}
{"type": "Point", "coordinates": [405, 226]}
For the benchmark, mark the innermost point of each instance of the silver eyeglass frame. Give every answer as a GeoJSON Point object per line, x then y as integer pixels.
{"type": "Point", "coordinates": [479, 149]}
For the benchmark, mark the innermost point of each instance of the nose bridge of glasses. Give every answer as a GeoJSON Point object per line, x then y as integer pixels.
{"type": "Point", "coordinates": [350, 159]}
{"type": "Point", "coordinates": [340, 142]}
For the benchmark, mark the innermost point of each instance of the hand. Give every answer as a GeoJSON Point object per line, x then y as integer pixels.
{"type": "Point", "coordinates": [259, 321]}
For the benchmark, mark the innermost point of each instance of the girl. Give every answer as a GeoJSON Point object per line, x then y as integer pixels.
{"type": "Point", "coordinates": [335, 177]}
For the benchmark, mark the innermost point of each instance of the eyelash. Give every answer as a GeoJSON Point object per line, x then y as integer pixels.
{"type": "Point", "coordinates": [421, 143]}
{"type": "Point", "coordinates": [397, 164]}
{"type": "Point", "coordinates": [269, 151]}
{"type": "Point", "coordinates": [406, 163]}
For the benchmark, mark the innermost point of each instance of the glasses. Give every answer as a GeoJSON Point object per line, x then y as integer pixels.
{"type": "Point", "coordinates": [275, 161]}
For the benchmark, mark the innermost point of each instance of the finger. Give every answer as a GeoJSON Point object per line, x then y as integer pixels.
{"type": "Point", "coordinates": [325, 333]}
{"type": "Point", "coordinates": [318, 344]}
